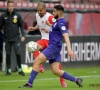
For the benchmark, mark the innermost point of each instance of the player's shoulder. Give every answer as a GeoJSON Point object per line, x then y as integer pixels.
{"type": "Point", "coordinates": [37, 14]}
{"type": "Point", "coordinates": [48, 14]}
{"type": "Point", "coordinates": [62, 20]}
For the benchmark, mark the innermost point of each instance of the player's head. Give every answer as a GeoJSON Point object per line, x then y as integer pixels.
{"type": "Point", "coordinates": [41, 8]}
{"type": "Point", "coordinates": [10, 5]}
{"type": "Point", "coordinates": [58, 11]}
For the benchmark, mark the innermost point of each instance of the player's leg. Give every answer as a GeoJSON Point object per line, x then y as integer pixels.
{"type": "Point", "coordinates": [62, 81]}
{"type": "Point", "coordinates": [35, 70]}
{"type": "Point", "coordinates": [42, 57]}
{"type": "Point", "coordinates": [17, 49]}
{"type": "Point", "coordinates": [65, 75]}
{"type": "Point", "coordinates": [41, 46]}
{"type": "Point", "coordinates": [35, 54]}
{"type": "Point", "coordinates": [8, 46]}
{"type": "Point", "coordinates": [44, 44]}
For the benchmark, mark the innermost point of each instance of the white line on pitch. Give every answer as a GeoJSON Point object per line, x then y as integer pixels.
{"type": "Point", "coordinates": [94, 76]}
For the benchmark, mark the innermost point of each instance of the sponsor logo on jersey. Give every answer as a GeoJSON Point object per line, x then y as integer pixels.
{"type": "Point", "coordinates": [63, 28]}
{"type": "Point", "coordinates": [42, 22]}
{"type": "Point", "coordinates": [53, 19]}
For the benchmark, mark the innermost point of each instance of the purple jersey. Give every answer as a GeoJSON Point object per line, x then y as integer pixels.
{"type": "Point", "coordinates": [52, 52]}
{"type": "Point", "coordinates": [58, 28]}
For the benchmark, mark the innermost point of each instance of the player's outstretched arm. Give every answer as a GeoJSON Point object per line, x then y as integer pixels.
{"type": "Point", "coordinates": [67, 40]}
{"type": "Point", "coordinates": [33, 28]}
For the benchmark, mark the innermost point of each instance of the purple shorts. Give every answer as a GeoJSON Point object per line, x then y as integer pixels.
{"type": "Point", "coordinates": [52, 54]}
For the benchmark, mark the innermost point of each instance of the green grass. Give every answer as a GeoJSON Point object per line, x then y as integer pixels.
{"type": "Point", "coordinates": [48, 81]}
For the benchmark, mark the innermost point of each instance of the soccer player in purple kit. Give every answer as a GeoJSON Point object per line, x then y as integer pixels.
{"type": "Point", "coordinates": [52, 52]}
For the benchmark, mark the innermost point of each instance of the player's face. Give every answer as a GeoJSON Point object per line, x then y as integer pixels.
{"type": "Point", "coordinates": [10, 7]}
{"type": "Point", "coordinates": [41, 10]}
{"type": "Point", "coordinates": [55, 13]}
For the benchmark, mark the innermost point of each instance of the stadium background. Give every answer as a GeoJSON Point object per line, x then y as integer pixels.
{"type": "Point", "coordinates": [82, 17]}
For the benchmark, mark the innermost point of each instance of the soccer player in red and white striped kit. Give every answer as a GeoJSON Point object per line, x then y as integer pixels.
{"type": "Point", "coordinates": [42, 17]}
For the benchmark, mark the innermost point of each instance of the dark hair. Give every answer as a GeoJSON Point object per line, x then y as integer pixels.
{"type": "Point", "coordinates": [10, 1]}
{"type": "Point", "coordinates": [59, 7]}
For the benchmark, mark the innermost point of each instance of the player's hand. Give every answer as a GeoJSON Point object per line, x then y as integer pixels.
{"type": "Point", "coordinates": [48, 23]}
{"type": "Point", "coordinates": [31, 28]}
{"type": "Point", "coordinates": [72, 55]}
{"type": "Point", "coordinates": [22, 39]}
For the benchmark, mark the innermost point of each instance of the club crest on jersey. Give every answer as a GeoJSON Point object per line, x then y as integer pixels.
{"type": "Point", "coordinates": [15, 19]}
{"type": "Point", "coordinates": [43, 22]}
{"type": "Point", "coordinates": [63, 28]}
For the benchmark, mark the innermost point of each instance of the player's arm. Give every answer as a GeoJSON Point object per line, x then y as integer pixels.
{"type": "Point", "coordinates": [66, 37]}
{"type": "Point", "coordinates": [67, 41]}
{"type": "Point", "coordinates": [50, 20]}
{"type": "Point", "coordinates": [33, 28]}
{"type": "Point", "coordinates": [64, 31]}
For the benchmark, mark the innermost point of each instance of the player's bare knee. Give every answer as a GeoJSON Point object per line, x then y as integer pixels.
{"type": "Point", "coordinates": [37, 61]}
{"type": "Point", "coordinates": [55, 71]}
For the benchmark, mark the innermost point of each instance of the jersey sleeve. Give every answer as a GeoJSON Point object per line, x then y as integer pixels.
{"type": "Point", "coordinates": [36, 16]}
{"type": "Point", "coordinates": [51, 19]}
{"type": "Point", "coordinates": [62, 27]}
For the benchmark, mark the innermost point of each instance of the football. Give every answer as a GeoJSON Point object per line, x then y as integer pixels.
{"type": "Point", "coordinates": [31, 46]}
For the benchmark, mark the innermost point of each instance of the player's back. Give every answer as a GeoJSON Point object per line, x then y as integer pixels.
{"type": "Point", "coordinates": [41, 21]}
{"type": "Point", "coordinates": [58, 28]}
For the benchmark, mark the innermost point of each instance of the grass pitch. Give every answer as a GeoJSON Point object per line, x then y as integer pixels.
{"type": "Point", "coordinates": [48, 81]}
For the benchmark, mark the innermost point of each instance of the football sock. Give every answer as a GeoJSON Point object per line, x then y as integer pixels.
{"type": "Point", "coordinates": [61, 79]}
{"type": "Point", "coordinates": [60, 67]}
{"type": "Point", "coordinates": [32, 77]}
{"type": "Point", "coordinates": [69, 77]}
{"type": "Point", "coordinates": [9, 70]}
{"type": "Point", "coordinates": [41, 66]}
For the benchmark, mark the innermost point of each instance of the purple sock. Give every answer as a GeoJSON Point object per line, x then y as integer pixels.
{"type": "Point", "coordinates": [32, 77]}
{"type": "Point", "coordinates": [69, 77]}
